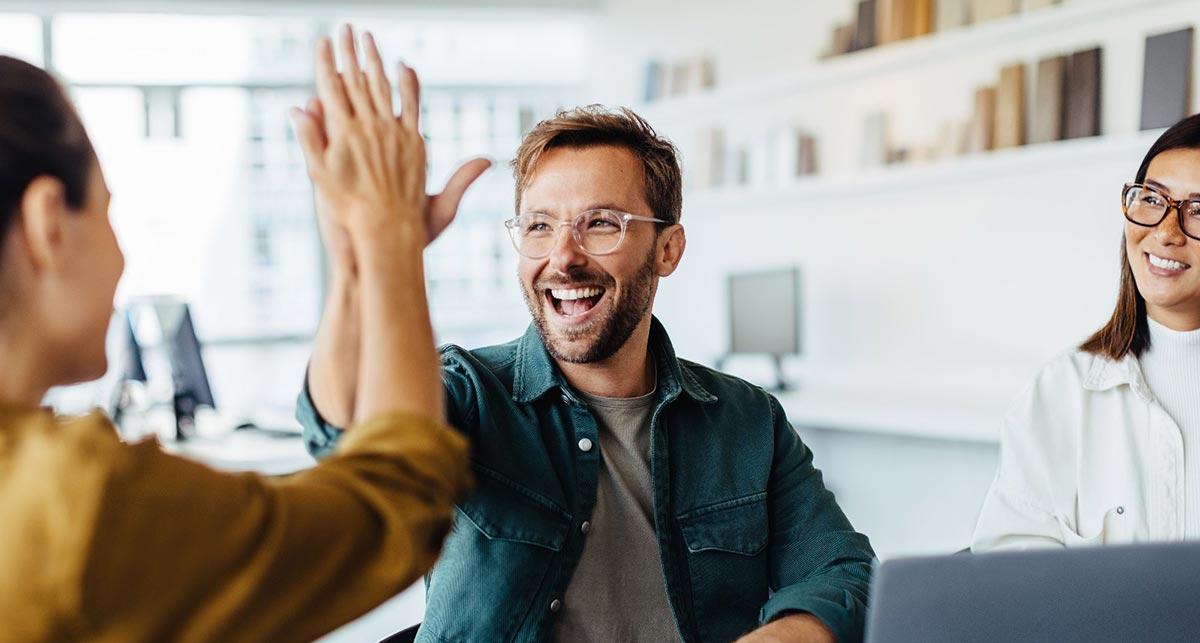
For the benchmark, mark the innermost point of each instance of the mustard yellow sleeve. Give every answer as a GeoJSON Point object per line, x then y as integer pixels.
{"type": "Point", "coordinates": [181, 552]}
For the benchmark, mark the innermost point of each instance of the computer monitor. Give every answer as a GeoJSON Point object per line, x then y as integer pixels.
{"type": "Point", "coordinates": [764, 315]}
{"type": "Point", "coordinates": [188, 375]}
{"type": "Point", "coordinates": [130, 366]}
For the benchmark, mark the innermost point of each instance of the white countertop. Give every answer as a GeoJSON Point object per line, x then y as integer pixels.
{"type": "Point", "coordinates": [926, 414]}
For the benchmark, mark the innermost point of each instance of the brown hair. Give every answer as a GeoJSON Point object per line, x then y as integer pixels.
{"type": "Point", "coordinates": [1127, 331]}
{"type": "Point", "coordinates": [40, 135]}
{"type": "Point", "coordinates": [594, 125]}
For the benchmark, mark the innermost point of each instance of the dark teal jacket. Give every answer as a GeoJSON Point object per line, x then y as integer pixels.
{"type": "Point", "coordinates": [747, 531]}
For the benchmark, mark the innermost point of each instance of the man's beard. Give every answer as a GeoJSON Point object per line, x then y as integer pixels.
{"type": "Point", "coordinates": [613, 331]}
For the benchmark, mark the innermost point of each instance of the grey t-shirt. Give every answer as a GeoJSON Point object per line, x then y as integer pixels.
{"type": "Point", "coordinates": [618, 592]}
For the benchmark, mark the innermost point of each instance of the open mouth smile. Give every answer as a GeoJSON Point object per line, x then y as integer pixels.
{"type": "Point", "coordinates": [573, 305]}
{"type": "Point", "coordinates": [1164, 267]}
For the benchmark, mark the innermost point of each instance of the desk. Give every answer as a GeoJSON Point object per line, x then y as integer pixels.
{"type": "Point", "coordinates": [269, 454]}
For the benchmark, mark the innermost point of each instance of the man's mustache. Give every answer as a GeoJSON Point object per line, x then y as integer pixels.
{"type": "Point", "coordinates": [581, 278]}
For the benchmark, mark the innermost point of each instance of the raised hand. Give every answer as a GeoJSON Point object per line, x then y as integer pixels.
{"type": "Point", "coordinates": [440, 209]}
{"type": "Point", "coordinates": [367, 165]}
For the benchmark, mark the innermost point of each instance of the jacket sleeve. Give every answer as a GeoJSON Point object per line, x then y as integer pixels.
{"type": "Point", "coordinates": [819, 564]}
{"type": "Point", "coordinates": [184, 553]}
{"type": "Point", "coordinates": [321, 437]}
{"type": "Point", "coordinates": [1018, 511]}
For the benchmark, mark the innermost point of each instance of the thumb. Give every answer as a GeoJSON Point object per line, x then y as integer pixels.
{"type": "Point", "coordinates": [443, 207]}
{"type": "Point", "coordinates": [311, 137]}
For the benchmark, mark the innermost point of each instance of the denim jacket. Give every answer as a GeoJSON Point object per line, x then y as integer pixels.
{"type": "Point", "coordinates": [747, 531]}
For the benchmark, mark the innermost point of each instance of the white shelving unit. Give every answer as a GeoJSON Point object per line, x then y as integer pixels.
{"type": "Point", "coordinates": [932, 290]}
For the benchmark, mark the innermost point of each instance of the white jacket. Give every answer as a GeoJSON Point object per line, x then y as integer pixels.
{"type": "Point", "coordinates": [1087, 456]}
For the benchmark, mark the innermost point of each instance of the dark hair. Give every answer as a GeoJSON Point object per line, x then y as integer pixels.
{"type": "Point", "coordinates": [40, 135]}
{"type": "Point", "coordinates": [1127, 331]}
{"type": "Point", "coordinates": [594, 125]}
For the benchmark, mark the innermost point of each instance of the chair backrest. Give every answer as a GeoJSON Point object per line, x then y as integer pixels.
{"type": "Point", "coordinates": [406, 635]}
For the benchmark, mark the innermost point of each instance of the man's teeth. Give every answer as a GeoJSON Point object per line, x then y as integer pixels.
{"type": "Point", "coordinates": [1166, 264]}
{"type": "Point", "coordinates": [575, 293]}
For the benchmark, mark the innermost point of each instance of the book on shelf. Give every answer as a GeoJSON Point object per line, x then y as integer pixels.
{"type": "Point", "coordinates": [1049, 108]}
{"type": "Point", "coordinates": [1083, 94]}
{"type": "Point", "coordinates": [985, 10]}
{"type": "Point", "coordinates": [653, 86]}
{"type": "Point", "coordinates": [806, 155]}
{"type": "Point", "coordinates": [864, 26]}
{"type": "Point", "coordinates": [981, 132]}
{"type": "Point", "coordinates": [951, 14]}
{"type": "Point", "coordinates": [885, 21]}
{"type": "Point", "coordinates": [1167, 79]}
{"type": "Point", "coordinates": [1009, 130]}
{"type": "Point", "coordinates": [921, 21]}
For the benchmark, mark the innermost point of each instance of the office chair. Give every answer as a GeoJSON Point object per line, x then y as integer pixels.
{"type": "Point", "coordinates": [406, 635]}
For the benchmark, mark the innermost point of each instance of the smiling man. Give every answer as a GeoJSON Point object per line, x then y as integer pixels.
{"type": "Point", "coordinates": [623, 494]}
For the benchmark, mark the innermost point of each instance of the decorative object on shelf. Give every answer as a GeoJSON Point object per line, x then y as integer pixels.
{"type": "Point", "coordinates": [1167, 79]}
{"type": "Point", "coordinates": [1009, 130]}
{"type": "Point", "coordinates": [1049, 109]}
{"type": "Point", "coordinates": [876, 142]}
{"type": "Point", "coordinates": [1083, 94]}
{"type": "Point", "coordinates": [708, 167]}
{"type": "Point", "coordinates": [981, 130]}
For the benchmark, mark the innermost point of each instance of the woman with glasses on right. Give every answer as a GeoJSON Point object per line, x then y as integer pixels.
{"type": "Point", "coordinates": [1104, 446]}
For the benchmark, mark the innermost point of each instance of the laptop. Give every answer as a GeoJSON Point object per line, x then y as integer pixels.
{"type": "Point", "coordinates": [1119, 593]}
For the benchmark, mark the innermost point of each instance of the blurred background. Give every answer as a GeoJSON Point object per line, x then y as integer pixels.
{"type": "Point", "coordinates": [925, 191]}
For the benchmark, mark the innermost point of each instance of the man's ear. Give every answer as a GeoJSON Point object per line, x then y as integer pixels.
{"type": "Point", "coordinates": [672, 242]}
{"type": "Point", "coordinates": [43, 208]}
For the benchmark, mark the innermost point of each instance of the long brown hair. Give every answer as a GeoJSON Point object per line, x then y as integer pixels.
{"type": "Point", "coordinates": [1127, 331]}
{"type": "Point", "coordinates": [40, 135]}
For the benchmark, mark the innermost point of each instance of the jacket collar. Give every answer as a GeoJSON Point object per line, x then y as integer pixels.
{"type": "Point", "coordinates": [1105, 374]}
{"type": "Point", "coordinates": [536, 373]}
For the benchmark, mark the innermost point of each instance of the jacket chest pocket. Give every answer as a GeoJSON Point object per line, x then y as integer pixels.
{"type": "Point", "coordinates": [1117, 525]}
{"type": "Point", "coordinates": [499, 555]}
{"type": "Point", "coordinates": [728, 565]}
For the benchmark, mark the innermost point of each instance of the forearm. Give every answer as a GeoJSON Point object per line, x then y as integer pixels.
{"type": "Point", "coordinates": [333, 370]}
{"type": "Point", "coordinates": [399, 368]}
{"type": "Point", "coordinates": [793, 628]}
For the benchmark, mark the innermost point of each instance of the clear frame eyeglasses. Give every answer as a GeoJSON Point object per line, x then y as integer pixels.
{"type": "Point", "coordinates": [1146, 206]}
{"type": "Point", "coordinates": [596, 232]}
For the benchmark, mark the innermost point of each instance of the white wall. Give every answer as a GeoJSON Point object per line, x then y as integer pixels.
{"type": "Point", "coordinates": [954, 280]}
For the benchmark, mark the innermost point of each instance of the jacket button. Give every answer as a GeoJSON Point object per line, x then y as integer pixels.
{"type": "Point", "coordinates": [1120, 510]}
{"type": "Point", "coordinates": [585, 527]}
{"type": "Point", "coordinates": [585, 445]}
{"type": "Point", "coordinates": [555, 605]}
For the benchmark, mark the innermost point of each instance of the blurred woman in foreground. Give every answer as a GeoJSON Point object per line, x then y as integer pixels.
{"type": "Point", "coordinates": [104, 541]}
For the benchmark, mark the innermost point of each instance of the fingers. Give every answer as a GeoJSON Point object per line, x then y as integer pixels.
{"type": "Point", "coordinates": [353, 77]}
{"type": "Point", "coordinates": [329, 87]}
{"type": "Point", "coordinates": [317, 111]}
{"type": "Point", "coordinates": [381, 89]}
{"type": "Point", "coordinates": [410, 98]}
{"type": "Point", "coordinates": [311, 138]}
{"type": "Point", "coordinates": [444, 207]}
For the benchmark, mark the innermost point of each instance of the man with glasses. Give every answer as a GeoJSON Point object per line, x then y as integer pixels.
{"type": "Point", "coordinates": [622, 494]}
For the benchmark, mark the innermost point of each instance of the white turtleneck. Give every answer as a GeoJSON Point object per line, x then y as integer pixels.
{"type": "Point", "coordinates": [1172, 370]}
